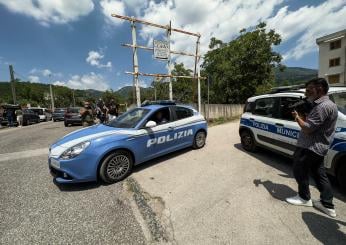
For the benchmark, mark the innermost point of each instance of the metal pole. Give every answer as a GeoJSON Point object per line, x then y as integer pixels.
{"type": "Point", "coordinates": [208, 96]}
{"type": "Point", "coordinates": [195, 71]}
{"type": "Point", "coordinates": [51, 96]}
{"type": "Point", "coordinates": [169, 61]}
{"type": "Point", "coordinates": [13, 88]}
{"type": "Point", "coordinates": [74, 101]}
{"type": "Point", "coordinates": [199, 90]}
{"type": "Point", "coordinates": [135, 63]}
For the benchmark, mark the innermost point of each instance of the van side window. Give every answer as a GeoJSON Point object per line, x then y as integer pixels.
{"type": "Point", "coordinates": [285, 111]}
{"type": "Point", "coordinates": [268, 107]}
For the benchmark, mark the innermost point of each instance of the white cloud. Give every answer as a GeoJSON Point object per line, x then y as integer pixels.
{"type": "Point", "coordinates": [34, 79]}
{"type": "Point", "coordinates": [308, 23]}
{"type": "Point", "coordinates": [54, 11]}
{"type": "Point", "coordinates": [218, 18]}
{"type": "Point", "coordinates": [87, 81]}
{"type": "Point", "coordinates": [223, 19]}
{"type": "Point", "coordinates": [112, 7]}
{"type": "Point", "coordinates": [45, 73]}
{"type": "Point", "coordinates": [94, 59]}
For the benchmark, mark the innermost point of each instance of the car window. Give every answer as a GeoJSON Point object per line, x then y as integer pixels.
{"type": "Point", "coordinates": [340, 101]}
{"type": "Point", "coordinates": [183, 112]}
{"type": "Point", "coordinates": [73, 110]}
{"type": "Point", "coordinates": [285, 110]}
{"type": "Point", "coordinates": [161, 116]}
{"type": "Point", "coordinates": [268, 107]}
{"type": "Point", "coordinates": [249, 106]}
{"type": "Point", "coordinates": [129, 119]}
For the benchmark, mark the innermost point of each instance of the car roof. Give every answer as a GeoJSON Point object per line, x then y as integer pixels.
{"type": "Point", "coordinates": [296, 93]}
{"type": "Point", "coordinates": [155, 107]}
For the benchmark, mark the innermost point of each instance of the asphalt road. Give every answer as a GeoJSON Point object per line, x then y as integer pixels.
{"type": "Point", "coordinates": [33, 210]}
{"type": "Point", "coordinates": [216, 195]}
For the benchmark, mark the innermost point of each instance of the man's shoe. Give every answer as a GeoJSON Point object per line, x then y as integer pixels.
{"type": "Point", "coordinates": [329, 211]}
{"type": "Point", "coordinates": [297, 200]}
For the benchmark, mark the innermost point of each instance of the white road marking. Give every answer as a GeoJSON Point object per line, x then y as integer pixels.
{"type": "Point", "coordinates": [23, 154]}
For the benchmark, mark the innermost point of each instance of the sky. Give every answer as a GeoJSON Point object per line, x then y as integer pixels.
{"type": "Point", "coordinates": [78, 44]}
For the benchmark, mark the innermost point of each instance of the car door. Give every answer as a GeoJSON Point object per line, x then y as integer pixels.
{"type": "Point", "coordinates": [159, 140]}
{"type": "Point", "coordinates": [287, 130]}
{"type": "Point", "coordinates": [264, 123]}
{"type": "Point", "coordinates": [184, 126]}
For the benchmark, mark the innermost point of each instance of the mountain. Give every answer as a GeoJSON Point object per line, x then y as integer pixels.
{"type": "Point", "coordinates": [294, 75]}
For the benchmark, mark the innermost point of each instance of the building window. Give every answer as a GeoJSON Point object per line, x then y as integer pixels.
{"type": "Point", "coordinates": [334, 78]}
{"type": "Point", "coordinates": [335, 45]}
{"type": "Point", "coordinates": [334, 62]}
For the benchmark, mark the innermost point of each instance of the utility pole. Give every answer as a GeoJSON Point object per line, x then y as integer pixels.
{"type": "Point", "coordinates": [74, 101]}
{"type": "Point", "coordinates": [169, 31]}
{"type": "Point", "coordinates": [13, 88]}
{"type": "Point", "coordinates": [135, 63]}
{"type": "Point", "coordinates": [51, 96]}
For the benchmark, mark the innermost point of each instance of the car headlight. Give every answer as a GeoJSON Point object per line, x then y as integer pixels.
{"type": "Point", "coordinates": [74, 150]}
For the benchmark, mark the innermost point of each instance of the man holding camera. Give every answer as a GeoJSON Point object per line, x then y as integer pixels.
{"type": "Point", "coordinates": [317, 131]}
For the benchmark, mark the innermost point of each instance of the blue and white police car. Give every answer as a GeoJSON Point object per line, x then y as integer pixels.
{"type": "Point", "coordinates": [267, 122]}
{"type": "Point", "coordinates": [109, 151]}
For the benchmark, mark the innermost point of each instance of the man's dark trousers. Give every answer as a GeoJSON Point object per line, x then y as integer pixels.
{"type": "Point", "coordinates": [306, 161]}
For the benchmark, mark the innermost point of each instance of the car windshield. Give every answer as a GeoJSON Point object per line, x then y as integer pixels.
{"type": "Point", "coordinates": [129, 119]}
{"type": "Point", "coordinates": [58, 110]}
{"type": "Point", "coordinates": [340, 101]}
{"type": "Point", "coordinates": [73, 110]}
{"type": "Point", "coordinates": [38, 111]}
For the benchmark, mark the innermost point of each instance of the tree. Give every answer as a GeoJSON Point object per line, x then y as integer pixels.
{"type": "Point", "coordinates": [244, 66]}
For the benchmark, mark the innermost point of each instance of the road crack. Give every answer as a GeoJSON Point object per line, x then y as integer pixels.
{"type": "Point", "coordinates": [154, 213]}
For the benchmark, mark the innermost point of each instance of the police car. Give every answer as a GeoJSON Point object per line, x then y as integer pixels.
{"type": "Point", "coordinates": [267, 122]}
{"type": "Point", "coordinates": [109, 151]}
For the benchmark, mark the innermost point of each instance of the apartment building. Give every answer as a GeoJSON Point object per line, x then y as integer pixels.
{"type": "Point", "coordinates": [332, 57]}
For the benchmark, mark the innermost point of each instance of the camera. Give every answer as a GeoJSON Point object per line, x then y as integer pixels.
{"type": "Point", "coordinates": [303, 106]}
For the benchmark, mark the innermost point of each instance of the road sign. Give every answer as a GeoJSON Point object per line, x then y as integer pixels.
{"type": "Point", "coordinates": [161, 49]}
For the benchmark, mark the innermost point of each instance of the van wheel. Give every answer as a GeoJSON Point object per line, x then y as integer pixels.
{"type": "Point", "coordinates": [248, 141]}
{"type": "Point", "coordinates": [199, 140]}
{"type": "Point", "coordinates": [117, 166]}
{"type": "Point", "coordinates": [341, 176]}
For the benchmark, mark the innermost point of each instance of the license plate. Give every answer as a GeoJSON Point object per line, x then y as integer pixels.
{"type": "Point", "coordinates": [54, 163]}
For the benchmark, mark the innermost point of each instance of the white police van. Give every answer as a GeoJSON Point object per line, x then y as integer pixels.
{"type": "Point", "coordinates": [267, 122]}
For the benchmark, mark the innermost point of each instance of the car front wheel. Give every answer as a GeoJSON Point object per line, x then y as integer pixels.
{"type": "Point", "coordinates": [116, 166]}
{"type": "Point", "coordinates": [199, 140]}
{"type": "Point", "coordinates": [248, 141]}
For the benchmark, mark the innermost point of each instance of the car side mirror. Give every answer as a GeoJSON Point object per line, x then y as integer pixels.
{"type": "Point", "coordinates": [150, 124]}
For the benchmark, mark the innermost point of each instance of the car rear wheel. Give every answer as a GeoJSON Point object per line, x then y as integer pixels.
{"type": "Point", "coordinates": [116, 166]}
{"type": "Point", "coordinates": [248, 141]}
{"type": "Point", "coordinates": [341, 176]}
{"type": "Point", "coordinates": [199, 140]}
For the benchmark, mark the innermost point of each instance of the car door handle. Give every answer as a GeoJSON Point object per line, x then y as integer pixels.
{"type": "Point", "coordinates": [170, 128]}
{"type": "Point", "coordinates": [279, 124]}
{"type": "Point", "coordinates": [252, 119]}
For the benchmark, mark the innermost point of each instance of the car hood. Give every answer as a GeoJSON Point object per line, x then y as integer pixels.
{"type": "Point", "coordinates": [86, 134]}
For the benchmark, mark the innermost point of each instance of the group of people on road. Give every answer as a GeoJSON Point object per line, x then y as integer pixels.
{"type": "Point", "coordinates": [12, 116]}
{"type": "Point", "coordinates": [102, 112]}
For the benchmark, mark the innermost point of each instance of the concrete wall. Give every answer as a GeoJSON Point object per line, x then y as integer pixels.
{"type": "Point", "coordinates": [213, 111]}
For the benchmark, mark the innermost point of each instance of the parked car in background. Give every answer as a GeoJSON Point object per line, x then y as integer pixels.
{"type": "Point", "coordinates": [72, 116]}
{"type": "Point", "coordinates": [58, 114]}
{"type": "Point", "coordinates": [43, 113]}
{"type": "Point", "coordinates": [29, 117]}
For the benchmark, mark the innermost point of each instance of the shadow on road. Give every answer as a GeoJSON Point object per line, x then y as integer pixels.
{"type": "Point", "coordinates": [278, 191]}
{"type": "Point", "coordinates": [324, 229]}
{"type": "Point", "coordinates": [284, 164]}
{"type": "Point", "coordinates": [159, 160]}
{"type": "Point", "coordinates": [77, 186]}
